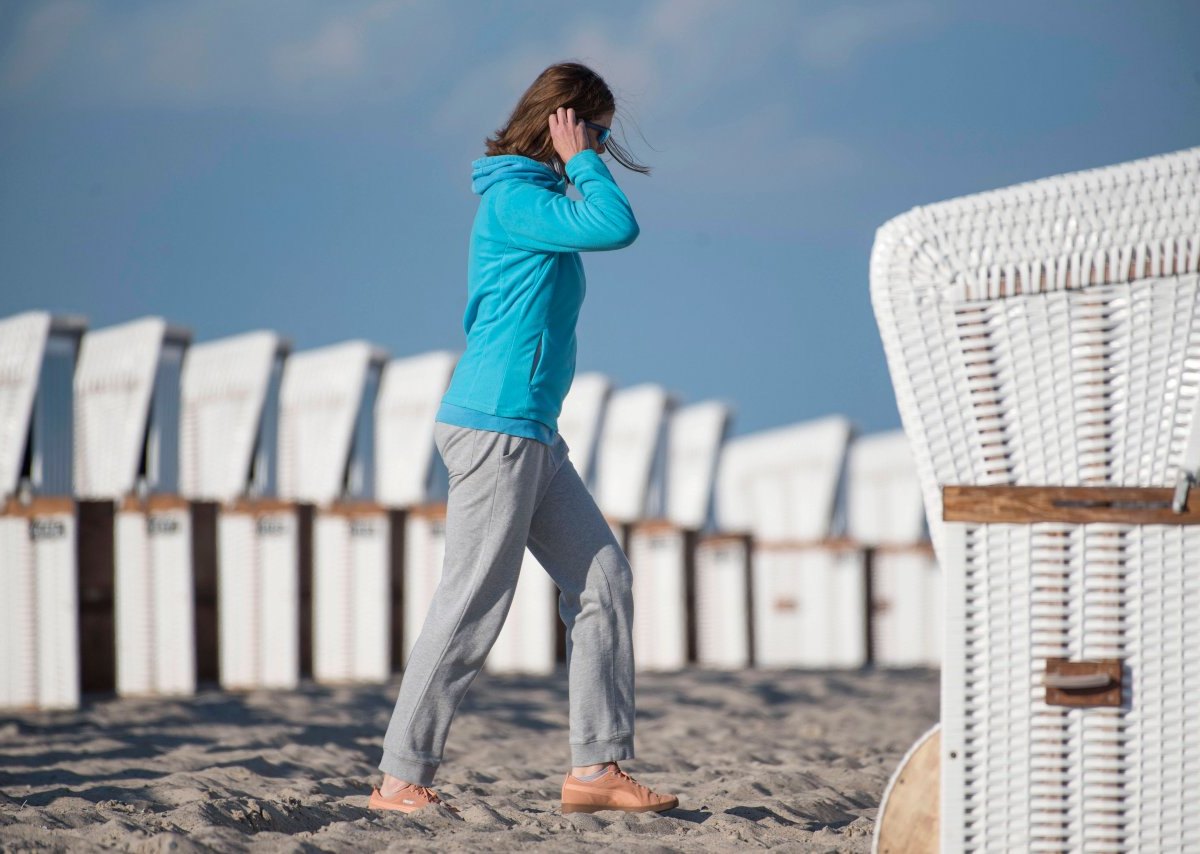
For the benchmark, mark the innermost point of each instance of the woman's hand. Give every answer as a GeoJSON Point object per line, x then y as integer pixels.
{"type": "Point", "coordinates": [567, 133]}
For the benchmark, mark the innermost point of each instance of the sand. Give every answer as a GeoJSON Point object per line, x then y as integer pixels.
{"type": "Point", "coordinates": [759, 759]}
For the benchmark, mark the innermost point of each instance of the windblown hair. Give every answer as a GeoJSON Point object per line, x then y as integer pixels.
{"type": "Point", "coordinates": [567, 84]}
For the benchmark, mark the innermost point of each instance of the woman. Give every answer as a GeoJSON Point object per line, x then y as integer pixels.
{"type": "Point", "coordinates": [511, 482]}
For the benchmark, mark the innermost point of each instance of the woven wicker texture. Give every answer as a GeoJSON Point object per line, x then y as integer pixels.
{"type": "Point", "coordinates": [1049, 334]}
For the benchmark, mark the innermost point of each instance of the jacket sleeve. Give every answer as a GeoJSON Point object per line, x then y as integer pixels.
{"type": "Point", "coordinates": [542, 220]}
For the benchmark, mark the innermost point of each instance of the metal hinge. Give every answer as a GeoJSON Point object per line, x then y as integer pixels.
{"type": "Point", "coordinates": [1186, 481]}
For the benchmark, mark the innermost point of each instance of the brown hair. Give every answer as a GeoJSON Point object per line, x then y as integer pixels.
{"type": "Point", "coordinates": [567, 84]}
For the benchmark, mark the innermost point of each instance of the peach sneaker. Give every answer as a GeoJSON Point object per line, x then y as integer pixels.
{"type": "Point", "coordinates": [407, 799]}
{"type": "Point", "coordinates": [612, 790]}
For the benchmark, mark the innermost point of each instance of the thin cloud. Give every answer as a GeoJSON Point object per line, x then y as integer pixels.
{"type": "Point", "coordinates": [177, 55]}
{"type": "Point", "coordinates": [40, 43]}
{"type": "Point", "coordinates": [673, 54]}
{"type": "Point", "coordinates": [832, 40]}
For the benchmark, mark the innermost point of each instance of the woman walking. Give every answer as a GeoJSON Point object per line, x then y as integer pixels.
{"type": "Point", "coordinates": [511, 482]}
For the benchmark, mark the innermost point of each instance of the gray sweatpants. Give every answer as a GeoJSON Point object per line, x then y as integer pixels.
{"type": "Point", "coordinates": [507, 492]}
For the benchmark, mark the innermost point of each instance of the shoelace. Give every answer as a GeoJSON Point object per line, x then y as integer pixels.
{"type": "Point", "coordinates": [429, 793]}
{"type": "Point", "coordinates": [625, 776]}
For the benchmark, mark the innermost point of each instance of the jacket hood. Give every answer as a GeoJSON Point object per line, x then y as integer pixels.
{"type": "Point", "coordinates": [486, 172]}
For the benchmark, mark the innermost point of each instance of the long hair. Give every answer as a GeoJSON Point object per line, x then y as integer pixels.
{"type": "Point", "coordinates": [567, 85]}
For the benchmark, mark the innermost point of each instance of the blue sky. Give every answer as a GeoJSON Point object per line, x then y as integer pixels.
{"type": "Point", "coordinates": [304, 166]}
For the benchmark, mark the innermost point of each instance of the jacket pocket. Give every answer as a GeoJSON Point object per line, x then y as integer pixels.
{"type": "Point", "coordinates": [537, 356]}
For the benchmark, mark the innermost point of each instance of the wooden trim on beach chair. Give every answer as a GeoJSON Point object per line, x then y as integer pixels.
{"type": "Point", "coordinates": [1068, 504]}
{"type": "Point", "coordinates": [39, 505]}
{"type": "Point", "coordinates": [157, 503]}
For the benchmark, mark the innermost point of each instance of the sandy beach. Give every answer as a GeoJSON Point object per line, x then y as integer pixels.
{"type": "Point", "coordinates": [759, 759]}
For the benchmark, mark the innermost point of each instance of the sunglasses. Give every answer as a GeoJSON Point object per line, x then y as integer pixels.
{"type": "Point", "coordinates": [602, 133]}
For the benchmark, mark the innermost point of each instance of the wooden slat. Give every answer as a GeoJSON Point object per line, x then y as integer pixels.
{"type": "Point", "coordinates": [355, 509]}
{"type": "Point", "coordinates": [925, 549]}
{"type": "Point", "coordinates": [655, 526]}
{"type": "Point", "coordinates": [1068, 504]}
{"type": "Point", "coordinates": [39, 505]}
{"type": "Point", "coordinates": [839, 544]}
{"type": "Point", "coordinates": [153, 503]}
{"type": "Point", "coordinates": [261, 506]}
{"type": "Point", "coordinates": [722, 538]}
{"type": "Point", "coordinates": [428, 511]}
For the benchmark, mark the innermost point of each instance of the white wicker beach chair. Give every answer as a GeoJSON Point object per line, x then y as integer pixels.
{"type": "Point", "coordinates": [411, 480]}
{"type": "Point", "coordinates": [885, 515]}
{"type": "Point", "coordinates": [127, 420]}
{"type": "Point", "coordinates": [1047, 336]}
{"type": "Point", "coordinates": [229, 456]}
{"type": "Point", "coordinates": [409, 394]}
{"type": "Point", "coordinates": [631, 459]}
{"type": "Point", "coordinates": [327, 450]}
{"type": "Point", "coordinates": [631, 489]}
{"type": "Point", "coordinates": [662, 550]}
{"type": "Point", "coordinates": [809, 591]}
{"type": "Point", "coordinates": [39, 615]}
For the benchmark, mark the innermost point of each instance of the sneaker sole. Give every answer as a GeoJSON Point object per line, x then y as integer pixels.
{"type": "Point", "coordinates": [569, 808]}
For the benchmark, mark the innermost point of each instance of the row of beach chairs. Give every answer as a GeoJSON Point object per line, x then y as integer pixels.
{"type": "Point", "coordinates": [233, 512]}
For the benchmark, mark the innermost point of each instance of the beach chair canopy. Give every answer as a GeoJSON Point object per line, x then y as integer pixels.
{"type": "Point", "coordinates": [631, 455]}
{"type": "Point", "coordinates": [22, 343]}
{"type": "Point", "coordinates": [883, 494]}
{"type": "Point", "coordinates": [409, 395]}
{"type": "Point", "coordinates": [696, 433]}
{"type": "Point", "coordinates": [321, 413]}
{"type": "Point", "coordinates": [581, 417]}
{"type": "Point", "coordinates": [225, 394]}
{"type": "Point", "coordinates": [127, 408]}
{"type": "Point", "coordinates": [782, 484]}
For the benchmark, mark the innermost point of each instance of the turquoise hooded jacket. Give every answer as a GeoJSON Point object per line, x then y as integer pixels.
{"type": "Point", "coordinates": [525, 286]}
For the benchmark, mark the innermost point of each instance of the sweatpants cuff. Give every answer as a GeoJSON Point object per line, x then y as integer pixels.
{"type": "Point", "coordinates": [604, 750]}
{"type": "Point", "coordinates": [415, 771]}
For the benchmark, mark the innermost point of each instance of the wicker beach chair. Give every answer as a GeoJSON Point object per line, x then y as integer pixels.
{"type": "Point", "coordinates": [39, 607]}
{"type": "Point", "coordinates": [662, 550]}
{"type": "Point", "coordinates": [631, 490]}
{"type": "Point", "coordinates": [1044, 344]}
{"type": "Point", "coordinates": [411, 481]}
{"type": "Point", "coordinates": [808, 588]}
{"type": "Point", "coordinates": [127, 408]}
{"type": "Point", "coordinates": [247, 574]}
{"type": "Point", "coordinates": [326, 454]}
{"type": "Point", "coordinates": [885, 517]}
